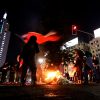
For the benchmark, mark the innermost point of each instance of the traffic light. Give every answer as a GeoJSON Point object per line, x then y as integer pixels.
{"type": "Point", "coordinates": [74, 30]}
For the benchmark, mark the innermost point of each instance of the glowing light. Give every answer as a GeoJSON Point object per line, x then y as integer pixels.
{"type": "Point", "coordinates": [97, 33]}
{"type": "Point", "coordinates": [52, 76]}
{"type": "Point", "coordinates": [40, 60]}
{"type": "Point", "coordinates": [5, 16]}
{"type": "Point", "coordinates": [74, 28]}
{"type": "Point", "coordinates": [72, 42]}
{"type": "Point", "coordinates": [62, 48]}
{"type": "Point", "coordinates": [71, 69]}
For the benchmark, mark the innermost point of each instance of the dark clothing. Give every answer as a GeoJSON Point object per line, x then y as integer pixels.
{"type": "Point", "coordinates": [28, 56]}
{"type": "Point", "coordinates": [28, 53]}
{"type": "Point", "coordinates": [95, 61]}
{"type": "Point", "coordinates": [96, 70]}
{"type": "Point", "coordinates": [86, 68]}
{"type": "Point", "coordinates": [79, 63]}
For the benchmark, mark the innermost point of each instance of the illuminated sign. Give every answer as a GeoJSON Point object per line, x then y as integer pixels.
{"type": "Point", "coordinates": [72, 42]}
{"type": "Point", "coordinates": [97, 33]}
{"type": "Point", "coordinates": [5, 16]}
{"type": "Point", "coordinates": [69, 43]}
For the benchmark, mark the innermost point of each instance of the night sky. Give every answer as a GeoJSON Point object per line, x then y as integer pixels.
{"type": "Point", "coordinates": [45, 15]}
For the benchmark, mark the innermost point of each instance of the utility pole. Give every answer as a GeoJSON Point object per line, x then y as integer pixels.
{"type": "Point", "coordinates": [86, 33]}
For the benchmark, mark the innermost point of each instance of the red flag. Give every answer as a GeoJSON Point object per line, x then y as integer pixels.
{"type": "Point", "coordinates": [51, 36]}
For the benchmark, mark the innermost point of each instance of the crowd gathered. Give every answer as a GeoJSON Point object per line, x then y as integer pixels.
{"type": "Point", "coordinates": [87, 68]}
{"type": "Point", "coordinates": [16, 71]}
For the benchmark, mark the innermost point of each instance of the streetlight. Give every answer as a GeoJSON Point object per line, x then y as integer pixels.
{"type": "Point", "coordinates": [41, 60]}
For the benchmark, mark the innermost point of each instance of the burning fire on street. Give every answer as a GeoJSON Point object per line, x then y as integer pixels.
{"type": "Point", "coordinates": [56, 77]}
{"type": "Point", "coordinates": [48, 76]}
{"type": "Point", "coordinates": [52, 77]}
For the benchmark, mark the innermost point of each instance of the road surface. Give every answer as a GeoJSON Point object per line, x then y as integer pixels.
{"type": "Point", "coordinates": [48, 92]}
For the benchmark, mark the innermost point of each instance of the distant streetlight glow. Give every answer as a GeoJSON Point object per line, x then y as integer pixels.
{"type": "Point", "coordinates": [63, 48]}
{"type": "Point", "coordinates": [5, 16]}
{"type": "Point", "coordinates": [40, 60]}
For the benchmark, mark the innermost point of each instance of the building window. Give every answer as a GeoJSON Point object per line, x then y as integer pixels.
{"type": "Point", "coordinates": [91, 43]}
{"type": "Point", "coordinates": [98, 49]}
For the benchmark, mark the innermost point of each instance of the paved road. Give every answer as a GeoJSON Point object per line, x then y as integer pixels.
{"type": "Point", "coordinates": [48, 92]}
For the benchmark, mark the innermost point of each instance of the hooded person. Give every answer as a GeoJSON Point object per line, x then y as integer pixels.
{"type": "Point", "coordinates": [28, 56]}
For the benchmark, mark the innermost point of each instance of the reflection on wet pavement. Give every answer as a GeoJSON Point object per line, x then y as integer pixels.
{"type": "Point", "coordinates": [51, 95]}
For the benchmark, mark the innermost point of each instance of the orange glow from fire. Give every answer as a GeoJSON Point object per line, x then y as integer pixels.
{"type": "Point", "coordinates": [52, 76]}
{"type": "Point", "coordinates": [71, 69]}
{"type": "Point", "coordinates": [71, 73]}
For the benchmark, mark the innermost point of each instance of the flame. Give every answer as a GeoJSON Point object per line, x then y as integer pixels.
{"type": "Point", "coordinates": [52, 76]}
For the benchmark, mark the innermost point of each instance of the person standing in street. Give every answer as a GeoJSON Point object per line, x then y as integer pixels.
{"type": "Point", "coordinates": [28, 56]}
